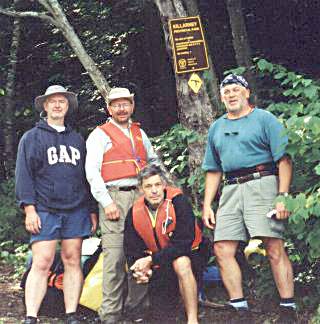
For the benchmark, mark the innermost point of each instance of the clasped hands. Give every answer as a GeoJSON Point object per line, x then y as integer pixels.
{"type": "Point", "coordinates": [141, 270]}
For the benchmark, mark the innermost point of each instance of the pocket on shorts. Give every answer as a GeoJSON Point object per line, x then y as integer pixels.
{"type": "Point", "coordinates": [268, 187]}
{"type": "Point", "coordinates": [277, 226]}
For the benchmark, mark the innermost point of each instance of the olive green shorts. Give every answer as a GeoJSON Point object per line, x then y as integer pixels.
{"type": "Point", "coordinates": [243, 208]}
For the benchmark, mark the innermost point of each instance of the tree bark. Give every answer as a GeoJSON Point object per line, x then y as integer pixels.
{"type": "Point", "coordinates": [211, 82]}
{"type": "Point", "coordinates": [195, 111]}
{"type": "Point", "coordinates": [9, 140]}
{"type": "Point", "coordinates": [241, 42]}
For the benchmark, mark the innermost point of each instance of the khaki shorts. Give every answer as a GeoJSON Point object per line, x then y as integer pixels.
{"type": "Point", "coordinates": [243, 208]}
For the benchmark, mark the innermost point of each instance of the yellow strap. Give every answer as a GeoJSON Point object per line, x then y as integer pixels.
{"type": "Point", "coordinates": [153, 218]}
{"type": "Point", "coordinates": [128, 160]}
{"type": "Point", "coordinates": [131, 139]}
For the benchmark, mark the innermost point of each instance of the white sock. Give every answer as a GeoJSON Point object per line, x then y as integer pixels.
{"type": "Point", "coordinates": [239, 303]}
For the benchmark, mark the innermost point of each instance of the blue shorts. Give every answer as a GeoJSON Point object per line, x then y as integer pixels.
{"type": "Point", "coordinates": [63, 224]}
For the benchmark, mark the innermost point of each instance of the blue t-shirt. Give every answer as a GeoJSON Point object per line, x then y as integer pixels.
{"type": "Point", "coordinates": [253, 139]}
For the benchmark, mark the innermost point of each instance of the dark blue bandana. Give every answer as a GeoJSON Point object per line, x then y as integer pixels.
{"type": "Point", "coordinates": [234, 79]}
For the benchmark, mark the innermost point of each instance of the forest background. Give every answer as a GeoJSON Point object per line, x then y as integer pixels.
{"type": "Point", "coordinates": [274, 43]}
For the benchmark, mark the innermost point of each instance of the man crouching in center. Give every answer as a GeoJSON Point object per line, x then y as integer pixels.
{"type": "Point", "coordinates": [161, 240]}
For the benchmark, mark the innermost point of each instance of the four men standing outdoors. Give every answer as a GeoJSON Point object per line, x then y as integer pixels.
{"type": "Point", "coordinates": [156, 232]}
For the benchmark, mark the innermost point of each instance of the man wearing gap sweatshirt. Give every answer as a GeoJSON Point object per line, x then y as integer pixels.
{"type": "Point", "coordinates": [52, 190]}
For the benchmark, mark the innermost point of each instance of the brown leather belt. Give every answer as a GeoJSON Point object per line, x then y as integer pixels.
{"type": "Point", "coordinates": [248, 177]}
{"type": "Point", "coordinates": [125, 188]}
{"type": "Point", "coordinates": [270, 166]}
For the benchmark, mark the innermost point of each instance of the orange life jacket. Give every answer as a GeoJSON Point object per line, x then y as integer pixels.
{"type": "Point", "coordinates": [124, 159]}
{"type": "Point", "coordinates": [159, 237]}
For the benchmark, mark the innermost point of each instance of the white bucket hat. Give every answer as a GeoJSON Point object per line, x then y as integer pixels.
{"type": "Point", "coordinates": [117, 93]}
{"type": "Point", "coordinates": [57, 89]}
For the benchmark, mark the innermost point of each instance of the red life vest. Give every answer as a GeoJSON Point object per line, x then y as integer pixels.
{"type": "Point", "coordinates": [123, 160]}
{"type": "Point", "coordinates": [159, 237]}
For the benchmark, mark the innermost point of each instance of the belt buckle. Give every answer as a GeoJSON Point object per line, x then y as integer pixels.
{"type": "Point", "coordinates": [256, 175]}
{"type": "Point", "coordinates": [227, 182]}
{"type": "Point", "coordinates": [238, 181]}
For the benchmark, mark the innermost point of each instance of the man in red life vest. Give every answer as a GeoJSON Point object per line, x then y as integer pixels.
{"type": "Point", "coordinates": [116, 151]}
{"type": "Point", "coordinates": [161, 242]}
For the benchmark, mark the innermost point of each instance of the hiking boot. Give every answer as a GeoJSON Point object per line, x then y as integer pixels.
{"type": "Point", "coordinates": [72, 319]}
{"type": "Point", "coordinates": [239, 315]}
{"type": "Point", "coordinates": [287, 315]}
{"type": "Point", "coordinates": [30, 320]}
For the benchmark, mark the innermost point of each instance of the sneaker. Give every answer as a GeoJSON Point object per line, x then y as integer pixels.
{"type": "Point", "coordinates": [30, 320]}
{"type": "Point", "coordinates": [72, 319]}
{"type": "Point", "coordinates": [287, 315]}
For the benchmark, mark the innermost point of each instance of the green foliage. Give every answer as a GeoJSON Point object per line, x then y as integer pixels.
{"type": "Point", "coordinates": [173, 149]}
{"type": "Point", "coordinates": [15, 254]}
{"type": "Point", "coordinates": [296, 102]}
{"type": "Point", "coordinates": [262, 284]}
{"type": "Point", "coordinates": [300, 111]}
{"type": "Point", "coordinates": [316, 317]}
{"type": "Point", "coordinates": [11, 218]}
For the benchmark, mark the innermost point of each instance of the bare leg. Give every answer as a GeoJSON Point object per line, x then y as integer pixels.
{"type": "Point", "coordinates": [36, 285]}
{"type": "Point", "coordinates": [188, 287]}
{"type": "Point", "coordinates": [281, 266]}
{"type": "Point", "coordinates": [225, 252]}
{"type": "Point", "coordinates": [73, 277]}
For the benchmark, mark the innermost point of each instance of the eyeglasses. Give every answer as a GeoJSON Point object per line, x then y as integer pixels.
{"type": "Point", "coordinates": [118, 106]}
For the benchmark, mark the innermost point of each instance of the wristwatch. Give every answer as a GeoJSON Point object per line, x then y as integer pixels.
{"type": "Point", "coordinates": [284, 194]}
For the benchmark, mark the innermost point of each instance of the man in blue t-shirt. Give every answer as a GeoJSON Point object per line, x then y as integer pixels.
{"type": "Point", "coordinates": [246, 146]}
{"type": "Point", "coordinates": [52, 190]}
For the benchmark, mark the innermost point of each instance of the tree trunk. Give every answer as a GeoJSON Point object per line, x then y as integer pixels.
{"type": "Point", "coordinates": [241, 42]}
{"type": "Point", "coordinates": [73, 40]}
{"type": "Point", "coordinates": [212, 81]}
{"type": "Point", "coordinates": [60, 20]}
{"type": "Point", "coordinates": [9, 140]}
{"type": "Point", "coordinates": [195, 111]}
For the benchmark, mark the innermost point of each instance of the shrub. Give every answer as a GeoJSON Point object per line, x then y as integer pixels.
{"type": "Point", "coordinates": [11, 218]}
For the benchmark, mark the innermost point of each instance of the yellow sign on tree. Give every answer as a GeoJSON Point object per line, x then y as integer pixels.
{"type": "Point", "coordinates": [195, 82]}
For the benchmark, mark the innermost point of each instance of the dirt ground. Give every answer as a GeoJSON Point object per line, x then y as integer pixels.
{"type": "Point", "coordinates": [12, 309]}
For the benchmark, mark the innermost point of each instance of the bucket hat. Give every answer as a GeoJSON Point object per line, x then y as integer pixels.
{"type": "Point", "coordinates": [117, 93]}
{"type": "Point", "coordinates": [57, 89]}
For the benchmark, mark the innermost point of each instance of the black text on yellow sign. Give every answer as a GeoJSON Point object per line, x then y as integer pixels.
{"type": "Point", "coordinates": [188, 44]}
{"type": "Point", "coordinates": [195, 82]}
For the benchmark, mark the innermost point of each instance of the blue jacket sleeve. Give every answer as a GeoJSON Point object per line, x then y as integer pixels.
{"type": "Point", "coordinates": [24, 175]}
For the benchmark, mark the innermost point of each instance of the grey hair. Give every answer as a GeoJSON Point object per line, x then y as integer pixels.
{"type": "Point", "coordinates": [151, 170]}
